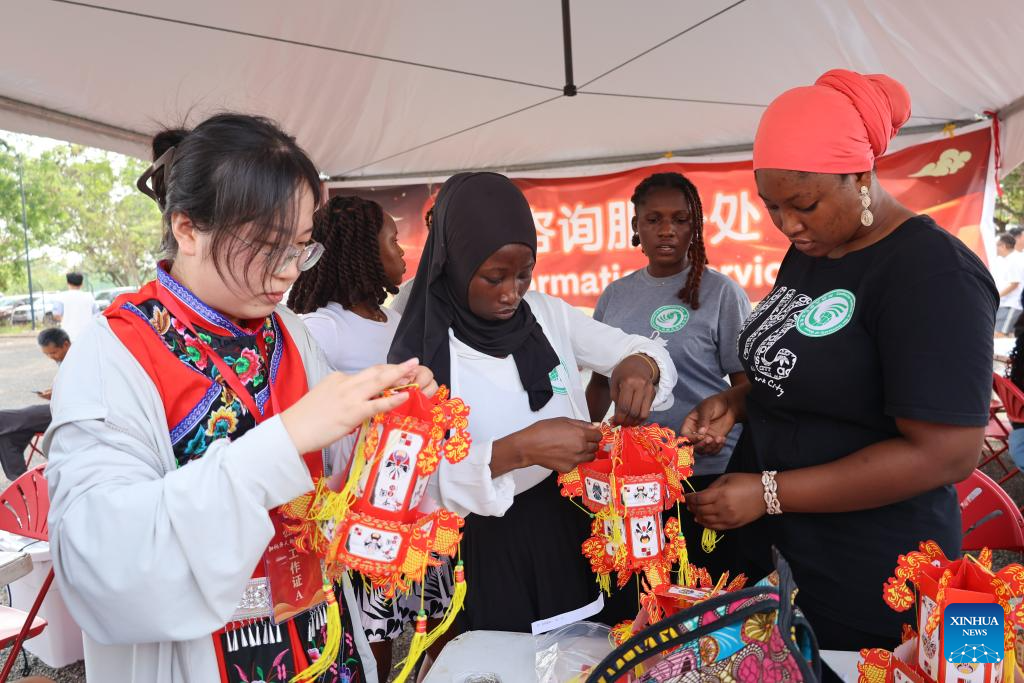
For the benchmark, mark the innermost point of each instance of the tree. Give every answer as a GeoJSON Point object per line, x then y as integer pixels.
{"type": "Point", "coordinates": [41, 228]}
{"type": "Point", "coordinates": [115, 228]}
{"type": "Point", "coordinates": [1010, 207]}
{"type": "Point", "coordinates": [84, 202]}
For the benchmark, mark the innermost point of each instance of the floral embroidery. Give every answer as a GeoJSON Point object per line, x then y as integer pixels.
{"type": "Point", "coordinates": [227, 396]}
{"type": "Point", "coordinates": [194, 353]}
{"type": "Point", "coordinates": [223, 421]}
{"type": "Point", "coordinates": [223, 414]}
{"type": "Point", "coordinates": [197, 445]}
{"type": "Point", "coordinates": [247, 367]}
{"type": "Point", "coordinates": [160, 320]}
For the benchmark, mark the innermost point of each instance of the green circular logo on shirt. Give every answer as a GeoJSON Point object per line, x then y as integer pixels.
{"type": "Point", "coordinates": [557, 386]}
{"type": "Point", "coordinates": [669, 319]}
{"type": "Point", "coordinates": [827, 314]}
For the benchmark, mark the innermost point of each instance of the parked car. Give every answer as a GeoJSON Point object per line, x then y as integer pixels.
{"type": "Point", "coordinates": [105, 296]}
{"type": "Point", "coordinates": [8, 304]}
{"type": "Point", "coordinates": [43, 309]}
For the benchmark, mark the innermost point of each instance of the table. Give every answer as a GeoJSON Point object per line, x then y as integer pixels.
{"type": "Point", "coordinates": [511, 657]}
{"type": "Point", "coordinates": [60, 643]}
{"type": "Point", "coordinates": [13, 566]}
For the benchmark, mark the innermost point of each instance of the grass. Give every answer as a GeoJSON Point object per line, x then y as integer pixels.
{"type": "Point", "coordinates": [24, 330]}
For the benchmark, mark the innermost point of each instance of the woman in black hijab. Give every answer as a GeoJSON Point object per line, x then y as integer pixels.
{"type": "Point", "coordinates": [515, 357]}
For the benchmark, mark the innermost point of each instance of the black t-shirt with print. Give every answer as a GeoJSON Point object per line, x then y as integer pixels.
{"type": "Point", "coordinates": [841, 347]}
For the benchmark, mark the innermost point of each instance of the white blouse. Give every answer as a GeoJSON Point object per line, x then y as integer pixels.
{"type": "Point", "coordinates": [349, 341]}
{"type": "Point", "coordinates": [498, 404]}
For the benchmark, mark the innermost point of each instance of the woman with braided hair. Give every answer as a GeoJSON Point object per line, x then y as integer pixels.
{"type": "Point", "coordinates": [695, 311]}
{"type": "Point", "coordinates": [342, 305]}
{"type": "Point", "coordinates": [342, 299]}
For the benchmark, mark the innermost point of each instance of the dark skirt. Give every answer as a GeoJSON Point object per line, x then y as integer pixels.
{"type": "Point", "coordinates": [527, 565]}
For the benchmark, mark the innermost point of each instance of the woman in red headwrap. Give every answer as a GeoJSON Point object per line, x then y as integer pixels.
{"type": "Point", "coordinates": [869, 365]}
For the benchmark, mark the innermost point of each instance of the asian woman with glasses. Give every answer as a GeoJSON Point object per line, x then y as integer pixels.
{"type": "Point", "coordinates": [200, 406]}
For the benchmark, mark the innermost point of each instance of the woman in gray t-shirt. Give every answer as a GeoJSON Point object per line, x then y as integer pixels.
{"type": "Point", "coordinates": [695, 311]}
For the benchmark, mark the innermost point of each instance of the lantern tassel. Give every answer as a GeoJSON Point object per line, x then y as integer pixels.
{"type": "Point", "coordinates": [330, 506]}
{"type": "Point", "coordinates": [684, 576]}
{"type": "Point", "coordinates": [416, 648]}
{"type": "Point", "coordinates": [1009, 665]}
{"type": "Point", "coordinates": [604, 582]}
{"type": "Point", "coordinates": [454, 607]}
{"type": "Point", "coordinates": [332, 644]}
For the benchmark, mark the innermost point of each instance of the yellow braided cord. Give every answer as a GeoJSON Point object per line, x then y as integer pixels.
{"type": "Point", "coordinates": [587, 512]}
{"type": "Point", "coordinates": [709, 539]}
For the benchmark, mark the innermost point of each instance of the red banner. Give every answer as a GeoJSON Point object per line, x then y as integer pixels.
{"type": "Point", "coordinates": [584, 223]}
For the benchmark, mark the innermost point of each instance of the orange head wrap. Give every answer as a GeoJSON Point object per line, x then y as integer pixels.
{"type": "Point", "coordinates": [841, 124]}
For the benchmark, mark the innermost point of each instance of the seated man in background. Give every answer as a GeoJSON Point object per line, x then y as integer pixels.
{"type": "Point", "coordinates": [18, 426]}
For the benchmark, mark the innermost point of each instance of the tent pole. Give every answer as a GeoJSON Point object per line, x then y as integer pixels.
{"type": "Point", "coordinates": [570, 88]}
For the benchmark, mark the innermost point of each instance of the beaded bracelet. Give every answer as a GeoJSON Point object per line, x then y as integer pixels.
{"type": "Point", "coordinates": [771, 489]}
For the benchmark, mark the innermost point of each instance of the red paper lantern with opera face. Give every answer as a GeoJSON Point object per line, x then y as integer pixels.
{"type": "Point", "coordinates": [382, 533]}
{"type": "Point", "coordinates": [637, 474]}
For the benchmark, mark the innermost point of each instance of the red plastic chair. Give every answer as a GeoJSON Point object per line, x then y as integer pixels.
{"type": "Point", "coordinates": [34, 449]}
{"type": "Point", "coordinates": [997, 433]}
{"type": "Point", "coordinates": [24, 506]}
{"type": "Point", "coordinates": [990, 518]}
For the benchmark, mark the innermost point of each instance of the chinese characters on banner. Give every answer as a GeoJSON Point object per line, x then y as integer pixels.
{"type": "Point", "coordinates": [584, 224]}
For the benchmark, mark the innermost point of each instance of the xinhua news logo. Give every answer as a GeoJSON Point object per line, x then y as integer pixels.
{"type": "Point", "coordinates": [972, 633]}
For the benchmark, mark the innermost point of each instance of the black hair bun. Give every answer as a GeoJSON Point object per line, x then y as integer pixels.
{"type": "Point", "coordinates": [166, 139]}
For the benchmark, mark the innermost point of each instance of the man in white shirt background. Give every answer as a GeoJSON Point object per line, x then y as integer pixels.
{"type": "Point", "coordinates": [1015, 232]}
{"type": "Point", "coordinates": [1008, 273]}
{"type": "Point", "coordinates": [74, 308]}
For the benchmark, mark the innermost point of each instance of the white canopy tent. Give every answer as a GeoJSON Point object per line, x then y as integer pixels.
{"type": "Point", "coordinates": [389, 90]}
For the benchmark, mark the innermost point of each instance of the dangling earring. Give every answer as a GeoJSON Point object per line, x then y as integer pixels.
{"type": "Point", "coordinates": [636, 239]}
{"type": "Point", "coordinates": [866, 217]}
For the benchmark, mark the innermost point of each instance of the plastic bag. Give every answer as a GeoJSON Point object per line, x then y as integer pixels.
{"type": "Point", "coordinates": [567, 654]}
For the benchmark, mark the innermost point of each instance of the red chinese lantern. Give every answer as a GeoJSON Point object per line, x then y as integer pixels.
{"type": "Point", "coordinates": [378, 528]}
{"type": "Point", "coordinates": [638, 474]}
{"type": "Point", "coordinates": [381, 532]}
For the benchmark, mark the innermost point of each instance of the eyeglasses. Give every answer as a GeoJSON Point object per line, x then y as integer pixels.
{"type": "Point", "coordinates": [304, 257]}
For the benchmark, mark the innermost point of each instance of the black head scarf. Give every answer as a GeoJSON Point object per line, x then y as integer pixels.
{"type": "Point", "coordinates": [475, 215]}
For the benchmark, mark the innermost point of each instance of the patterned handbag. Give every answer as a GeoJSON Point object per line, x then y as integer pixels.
{"type": "Point", "coordinates": [750, 635]}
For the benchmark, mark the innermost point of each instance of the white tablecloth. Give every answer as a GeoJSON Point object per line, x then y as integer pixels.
{"type": "Point", "coordinates": [13, 566]}
{"type": "Point", "coordinates": [511, 657]}
{"type": "Point", "coordinates": [60, 643]}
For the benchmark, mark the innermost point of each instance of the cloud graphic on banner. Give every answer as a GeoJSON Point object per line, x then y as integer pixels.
{"type": "Point", "coordinates": [950, 161]}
